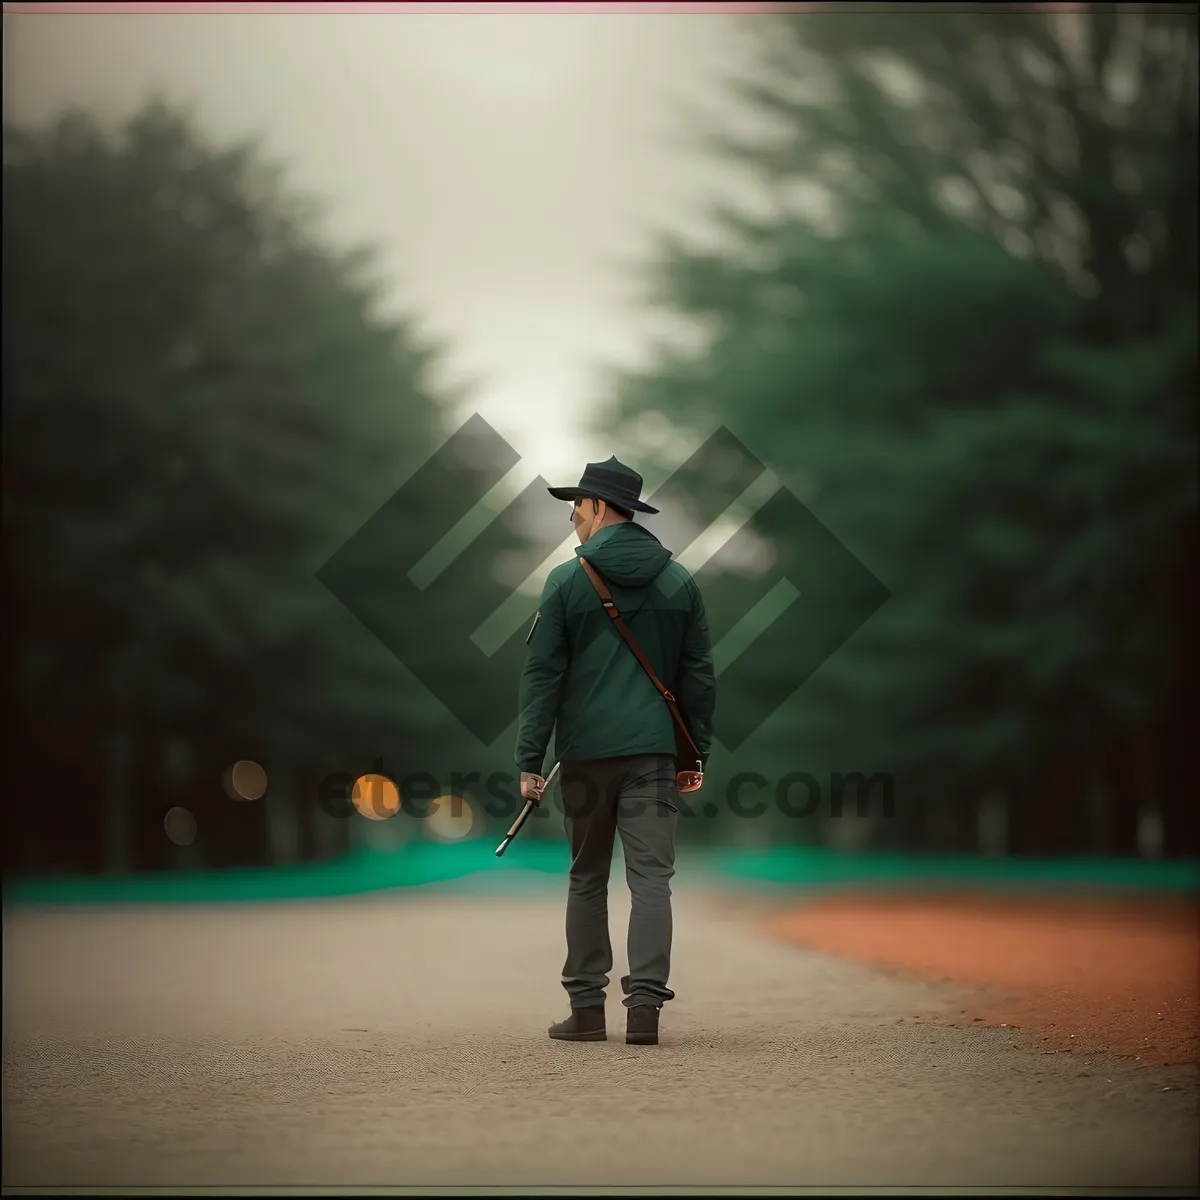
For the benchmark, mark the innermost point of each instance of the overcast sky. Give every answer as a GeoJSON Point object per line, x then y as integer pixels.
{"type": "Point", "coordinates": [507, 167]}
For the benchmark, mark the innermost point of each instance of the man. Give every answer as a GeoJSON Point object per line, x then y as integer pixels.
{"type": "Point", "coordinates": [616, 739]}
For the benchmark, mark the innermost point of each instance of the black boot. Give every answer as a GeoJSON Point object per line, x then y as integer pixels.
{"type": "Point", "coordinates": [583, 1025]}
{"type": "Point", "coordinates": [641, 1025]}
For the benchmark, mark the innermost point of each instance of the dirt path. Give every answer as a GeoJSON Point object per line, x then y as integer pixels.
{"type": "Point", "coordinates": [401, 1040]}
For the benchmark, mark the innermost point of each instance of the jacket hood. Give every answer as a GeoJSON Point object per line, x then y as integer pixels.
{"type": "Point", "coordinates": [627, 555]}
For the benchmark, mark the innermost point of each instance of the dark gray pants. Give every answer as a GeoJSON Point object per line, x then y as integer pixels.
{"type": "Point", "coordinates": [636, 797]}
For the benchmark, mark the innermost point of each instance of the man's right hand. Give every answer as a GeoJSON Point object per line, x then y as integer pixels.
{"type": "Point", "coordinates": [689, 781]}
{"type": "Point", "coordinates": [531, 786]}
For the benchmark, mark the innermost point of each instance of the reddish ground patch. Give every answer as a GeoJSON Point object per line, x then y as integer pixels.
{"type": "Point", "coordinates": [1106, 974]}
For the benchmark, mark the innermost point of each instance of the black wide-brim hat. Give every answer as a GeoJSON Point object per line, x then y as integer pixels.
{"type": "Point", "coordinates": [613, 481]}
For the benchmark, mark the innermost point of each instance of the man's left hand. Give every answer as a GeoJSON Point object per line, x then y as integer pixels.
{"type": "Point", "coordinates": [689, 781]}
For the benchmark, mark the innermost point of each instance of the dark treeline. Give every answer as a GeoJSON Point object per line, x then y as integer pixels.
{"type": "Point", "coordinates": [968, 341]}
{"type": "Point", "coordinates": [201, 404]}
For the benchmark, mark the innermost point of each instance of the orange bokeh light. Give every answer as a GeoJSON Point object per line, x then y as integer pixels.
{"type": "Point", "coordinates": [376, 797]}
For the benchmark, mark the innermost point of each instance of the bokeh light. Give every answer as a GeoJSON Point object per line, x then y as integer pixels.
{"type": "Point", "coordinates": [245, 780]}
{"type": "Point", "coordinates": [376, 797]}
{"type": "Point", "coordinates": [450, 818]}
{"type": "Point", "coordinates": [180, 826]}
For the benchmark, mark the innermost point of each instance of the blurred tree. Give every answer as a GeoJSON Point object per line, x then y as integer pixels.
{"type": "Point", "coordinates": [968, 336]}
{"type": "Point", "coordinates": [201, 404]}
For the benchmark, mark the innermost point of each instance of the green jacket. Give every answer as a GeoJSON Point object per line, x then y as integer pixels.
{"type": "Point", "coordinates": [584, 683]}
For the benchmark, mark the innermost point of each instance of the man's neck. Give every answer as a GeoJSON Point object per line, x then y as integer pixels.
{"type": "Point", "coordinates": [606, 530]}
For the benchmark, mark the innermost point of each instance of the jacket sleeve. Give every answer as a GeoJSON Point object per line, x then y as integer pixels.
{"type": "Point", "coordinates": [697, 680]}
{"type": "Point", "coordinates": [542, 680]}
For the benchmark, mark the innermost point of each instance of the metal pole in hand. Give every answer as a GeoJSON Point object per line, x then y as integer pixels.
{"type": "Point", "coordinates": [530, 805]}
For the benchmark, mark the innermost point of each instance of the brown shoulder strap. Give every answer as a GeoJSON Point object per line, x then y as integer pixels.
{"type": "Point", "coordinates": [627, 636]}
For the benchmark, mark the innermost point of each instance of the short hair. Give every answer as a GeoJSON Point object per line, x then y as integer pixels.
{"type": "Point", "coordinates": [625, 512]}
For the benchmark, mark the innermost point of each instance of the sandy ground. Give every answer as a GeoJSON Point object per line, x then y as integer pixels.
{"type": "Point", "coordinates": [401, 1040]}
